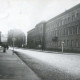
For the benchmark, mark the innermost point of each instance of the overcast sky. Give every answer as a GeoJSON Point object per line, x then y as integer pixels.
{"type": "Point", "coordinates": [25, 14]}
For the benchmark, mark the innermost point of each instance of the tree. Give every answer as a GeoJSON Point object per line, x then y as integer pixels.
{"type": "Point", "coordinates": [55, 39]}
{"type": "Point", "coordinates": [20, 38]}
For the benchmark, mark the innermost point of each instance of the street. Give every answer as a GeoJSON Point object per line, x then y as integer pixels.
{"type": "Point", "coordinates": [40, 39]}
{"type": "Point", "coordinates": [52, 66]}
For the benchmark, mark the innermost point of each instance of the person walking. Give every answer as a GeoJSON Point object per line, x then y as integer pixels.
{"type": "Point", "coordinates": [4, 48]}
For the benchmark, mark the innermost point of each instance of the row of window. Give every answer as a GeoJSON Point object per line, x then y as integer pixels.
{"type": "Point", "coordinates": [63, 21]}
{"type": "Point", "coordinates": [69, 43]}
{"type": "Point", "coordinates": [67, 31]}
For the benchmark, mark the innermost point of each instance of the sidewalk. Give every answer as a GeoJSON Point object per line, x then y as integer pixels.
{"type": "Point", "coordinates": [55, 52]}
{"type": "Point", "coordinates": [46, 51]}
{"type": "Point", "coordinates": [13, 68]}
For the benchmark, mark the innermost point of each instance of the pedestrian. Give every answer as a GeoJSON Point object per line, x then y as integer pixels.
{"type": "Point", "coordinates": [4, 48]}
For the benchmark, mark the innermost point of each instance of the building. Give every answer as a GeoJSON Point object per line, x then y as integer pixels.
{"type": "Point", "coordinates": [36, 37]}
{"type": "Point", "coordinates": [31, 38]}
{"type": "Point", "coordinates": [16, 36]}
{"type": "Point", "coordinates": [62, 29]}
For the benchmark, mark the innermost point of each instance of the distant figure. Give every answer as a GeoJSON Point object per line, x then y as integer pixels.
{"type": "Point", "coordinates": [5, 46]}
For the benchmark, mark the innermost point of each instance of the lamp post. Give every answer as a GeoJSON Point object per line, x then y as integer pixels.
{"type": "Point", "coordinates": [62, 43]}
{"type": "Point", "coordinates": [13, 39]}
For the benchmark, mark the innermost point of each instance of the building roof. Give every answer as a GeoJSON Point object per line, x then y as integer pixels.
{"type": "Point", "coordinates": [67, 11]}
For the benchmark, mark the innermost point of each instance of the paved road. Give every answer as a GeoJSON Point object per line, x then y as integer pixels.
{"type": "Point", "coordinates": [43, 66]}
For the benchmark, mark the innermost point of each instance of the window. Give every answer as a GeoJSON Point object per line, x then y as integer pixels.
{"type": "Point", "coordinates": [74, 29]}
{"type": "Point", "coordinates": [72, 17]}
{"type": "Point", "coordinates": [56, 24]}
{"type": "Point", "coordinates": [68, 19]}
{"type": "Point", "coordinates": [61, 32]}
{"type": "Point", "coordinates": [59, 24]}
{"type": "Point", "coordinates": [56, 33]}
{"type": "Point", "coordinates": [53, 33]}
{"type": "Point", "coordinates": [77, 43]}
{"type": "Point", "coordinates": [65, 21]}
{"type": "Point", "coordinates": [58, 43]}
{"type": "Point", "coordinates": [64, 43]}
{"type": "Point", "coordinates": [72, 43]}
{"type": "Point", "coordinates": [77, 14]}
{"type": "Point", "coordinates": [66, 31]}
{"type": "Point", "coordinates": [67, 42]}
{"type": "Point", "coordinates": [71, 31]}
{"type": "Point", "coordinates": [78, 30]}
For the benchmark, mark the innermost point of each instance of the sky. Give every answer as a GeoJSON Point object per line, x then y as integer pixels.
{"type": "Point", "coordinates": [25, 14]}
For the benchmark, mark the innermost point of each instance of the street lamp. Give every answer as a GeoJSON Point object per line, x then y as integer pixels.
{"type": "Point", "coordinates": [62, 43]}
{"type": "Point", "coordinates": [13, 39]}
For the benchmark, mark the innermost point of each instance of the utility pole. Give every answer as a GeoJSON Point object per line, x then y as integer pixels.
{"type": "Point", "coordinates": [62, 43]}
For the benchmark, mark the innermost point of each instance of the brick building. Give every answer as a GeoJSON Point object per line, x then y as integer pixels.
{"type": "Point", "coordinates": [62, 28]}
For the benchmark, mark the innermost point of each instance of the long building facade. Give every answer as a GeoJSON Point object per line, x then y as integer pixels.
{"type": "Point", "coordinates": [62, 29]}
